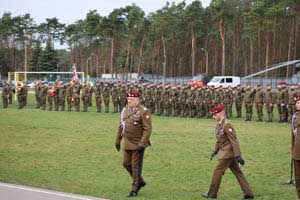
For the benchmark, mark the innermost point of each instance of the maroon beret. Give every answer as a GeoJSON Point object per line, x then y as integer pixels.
{"type": "Point", "coordinates": [133, 94]}
{"type": "Point", "coordinates": [216, 109]}
{"type": "Point", "coordinates": [297, 98]}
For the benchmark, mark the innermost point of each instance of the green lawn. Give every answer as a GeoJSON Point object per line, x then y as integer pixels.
{"type": "Point", "coordinates": [74, 152]}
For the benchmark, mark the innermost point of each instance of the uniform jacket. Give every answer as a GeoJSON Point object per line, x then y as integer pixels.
{"type": "Point", "coordinates": [135, 127]}
{"type": "Point", "coordinates": [295, 132]}
{"type": "Point", "coordinates": [227, 145]}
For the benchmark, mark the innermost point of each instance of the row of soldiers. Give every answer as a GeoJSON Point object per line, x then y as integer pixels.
{"type": "Point", "coordinates": [180, 100]}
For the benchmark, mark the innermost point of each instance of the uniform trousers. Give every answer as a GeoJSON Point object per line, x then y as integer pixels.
{"type": "Point", "coordinates": [297, 176]}
{"type": "Point", "coordinates": [133, 163]}
{"type": "Point", "coordinates": [222, 166]}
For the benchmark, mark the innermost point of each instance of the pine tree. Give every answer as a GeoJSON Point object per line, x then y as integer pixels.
{"type": "Point", "coordinates": [48, 59]}
{"type": "Point", "coordinates": [34, 62]}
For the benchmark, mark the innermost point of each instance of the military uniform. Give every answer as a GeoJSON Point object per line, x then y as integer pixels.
{"type": "Point", "coordinates": [282, 102]}
{"type": "Point", "coordinates": [98, 96]}
{"type": "Point", "coordinates": [10, 93]}
{"type": "Point", "coordinates": [69, 91]}
{"type": "Point", "coordinates": [43, 96]}
{"type": "Point", "coordinates": [239, 97]}
{"type": "Point", "coordinates": [85, 97]}
{"type": "Point", "coordinates": [106, 97]}
{"type": "Point", "coordinates": [56, 97]}
{"type": "Point", "coordinates": [259, 103]}
{"type": "Point", "coordinates": [5, 95]}
{"type": "Point", "coordinates": [248, 102]}
{"type": "Point", "coordinates": [291, 101]}
{"type": "Point", "coordinates": [37, 89]}
{"type": "Point", "coordinates": [51, 96]}
{"type": "Point", "coordinates": [167, 101]}
{"type": "Point", "coordinates": [269, 100]}
{"type": "Point", "coordinates": [228, 149]}
{"type": "Point", "coordinates": [76, 96]}
{"type": "Point", "coordinates": [62, 97]}
{"type": "Point", "coordinates": [135, 129]}
{"type": "Point", "coordinates": [295, 148]}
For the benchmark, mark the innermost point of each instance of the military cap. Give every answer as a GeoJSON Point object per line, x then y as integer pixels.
{"type": "Point", "coordinates": [216, 109]}
{"type": "Point", "coordinates": [297, 98]}
{"type": "Point", "coordinates": [133, 94]}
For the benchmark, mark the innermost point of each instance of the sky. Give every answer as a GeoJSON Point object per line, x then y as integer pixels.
{"type": "Point", "coordinates": [69, 11]}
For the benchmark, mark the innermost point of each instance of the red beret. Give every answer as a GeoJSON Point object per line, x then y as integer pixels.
{"type": "Point", "coordinates": [133, 94]}
{"type": "Point", "coordinates": [297, 98]}
{"type": "Point", "coordinates": [258, 85]}
{"type": "Point", "coordinates": [216, 109]}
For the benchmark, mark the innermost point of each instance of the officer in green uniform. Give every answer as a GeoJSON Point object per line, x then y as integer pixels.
{"type": "Point", "coordinates": [135, 128]}
{"type": "Point", "coordinates": [259, 102]}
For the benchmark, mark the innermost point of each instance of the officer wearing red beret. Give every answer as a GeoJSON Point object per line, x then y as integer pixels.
{"type": "Point", "coordinates": [295, 150]}
{"type": "Point", "coordinates": [228, 149]}
{"type": "Point", "coordinates": [135, 128]}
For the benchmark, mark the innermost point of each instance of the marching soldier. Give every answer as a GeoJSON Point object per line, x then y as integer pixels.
{"type": "Point", "coordinates": [259, 102]}
{"type": "Point", "coordinates": [269, 100]}
{"type": "Point", "coordinates": [106, 96]}
{"type": "Point", "coordinates": [5, 95]}
{"type": "Point", "coordinates": [248, 101]}
{"type": "Point", "coordinates": [135, 127]}
{"type": "Point", "coordinates": [239, 97]}
{"type": "Point", "coordinates": [228, 149]}
{"type": "Point", "coordinates": [295, 150]}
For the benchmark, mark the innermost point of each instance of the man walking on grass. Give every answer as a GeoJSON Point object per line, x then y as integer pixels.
{"type": "Point", "coordinates": [135, 127]}
{"type": "Point", "coordinates": [228, 149]}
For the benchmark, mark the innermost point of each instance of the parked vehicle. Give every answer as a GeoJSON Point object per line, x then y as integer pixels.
{"type": "Point", "coordinates": [225, 81]}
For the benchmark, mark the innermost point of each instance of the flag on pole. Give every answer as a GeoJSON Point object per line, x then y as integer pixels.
{"type": "Point", "coordinates": [75, 75]}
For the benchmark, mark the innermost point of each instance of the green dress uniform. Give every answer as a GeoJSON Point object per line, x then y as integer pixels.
{"type": "Point", "coordinates": [106, 97]}
{"type": "Point", "coordinates": [98, 97]}
{"type": "Point", "coordinates": [239, 97]}
{"type": "Point", "coordinates": [228, 149]}
{"type": "Point", "coordinates": [295, 149]}
{"type": "Point", "coordinates": [135, 128]}
{"type": "Point", "coordinates": [248, 102]}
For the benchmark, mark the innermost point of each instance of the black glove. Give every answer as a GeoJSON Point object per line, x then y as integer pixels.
{"type": "Point", "coordinates": [213, 154]}
{"type": "Point", "coordinates": [240, 160]}
{"type": "Point", "coordinates": [140, 148]}
{"type": "Point", "coordinates": [118, 147]}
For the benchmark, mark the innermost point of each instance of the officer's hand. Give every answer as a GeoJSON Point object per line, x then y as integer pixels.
{"type": "Point", "coordinates": [118, 147]}
{"type": "Point", "coordinates": [213, 154]}
{"type": "Point", "coordinates": [240, 160]}
{"type": "Point", "coordinates": [140, 148]}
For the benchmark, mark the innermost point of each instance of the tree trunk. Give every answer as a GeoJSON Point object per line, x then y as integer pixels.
{"type": "Point", "coordinates": [251, 57]}
{"type": "Point", "coordinates": [112, 54]}
{"type": "Point", "coordinates": [193, 52]}
{"type": "Point", "coordinates": [141, 54]}
{"type": "Point", "coordinates": [267, 59]}
{"type": "Point", "coordinates": [165, 55]}
{"type": "Point", "coordinates": [222, 34]}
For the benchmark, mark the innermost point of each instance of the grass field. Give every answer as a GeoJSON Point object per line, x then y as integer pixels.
{"type": "Point", "coordinates": [74, 152]}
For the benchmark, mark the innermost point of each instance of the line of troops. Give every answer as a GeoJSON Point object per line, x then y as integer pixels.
{"type": "Point", "coordinates": [180, 100]}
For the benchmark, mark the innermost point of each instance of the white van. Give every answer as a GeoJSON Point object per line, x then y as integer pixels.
{"type": "Point", "coordinates": [225, 81]}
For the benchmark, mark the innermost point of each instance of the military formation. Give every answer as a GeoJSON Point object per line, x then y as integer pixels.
{"type": "Point", "coordinates": [179, 100]}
